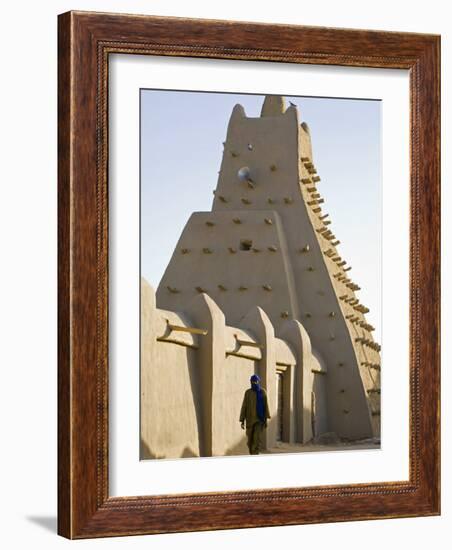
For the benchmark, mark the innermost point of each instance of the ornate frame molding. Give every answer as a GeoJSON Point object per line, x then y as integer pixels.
{"type": "Point", "coordinates": [85, 42]}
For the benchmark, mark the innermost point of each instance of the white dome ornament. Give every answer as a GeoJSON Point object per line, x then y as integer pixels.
{"type": "Point", "coordinates": [244, 174]}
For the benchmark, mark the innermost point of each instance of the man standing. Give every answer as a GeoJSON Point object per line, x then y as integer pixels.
{"type": "Point", "coordinates": [255, 412]}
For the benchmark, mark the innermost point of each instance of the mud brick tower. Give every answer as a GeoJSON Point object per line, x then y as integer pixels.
{"type": "Point", "coordinates": [269, 243]}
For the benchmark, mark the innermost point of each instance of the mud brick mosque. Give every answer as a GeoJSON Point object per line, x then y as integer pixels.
{"type": "Point", "coordinates": [257, 285]}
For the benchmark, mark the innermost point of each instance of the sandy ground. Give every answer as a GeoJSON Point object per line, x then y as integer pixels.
{"type": "Point", "coordinates": [312, 447]}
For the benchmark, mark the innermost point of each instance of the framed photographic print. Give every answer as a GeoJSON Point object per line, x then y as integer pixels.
{"type": "Point", "coordinates": [248, 275]}
{"type": "Point", "coordinates": [255, 259]}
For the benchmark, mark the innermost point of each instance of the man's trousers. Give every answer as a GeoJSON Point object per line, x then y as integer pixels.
{"type": "Point", "coordinates": [254, 435]}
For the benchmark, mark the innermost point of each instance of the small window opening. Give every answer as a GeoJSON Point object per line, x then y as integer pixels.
{"type": "Point", "coordinates": [246, 244]}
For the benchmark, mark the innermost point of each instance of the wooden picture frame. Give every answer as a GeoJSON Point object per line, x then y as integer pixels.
{"type": "Point", "coordinates": [85, 42]}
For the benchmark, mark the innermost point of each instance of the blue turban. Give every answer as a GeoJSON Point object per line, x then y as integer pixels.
{"type": "Point", "coordinates": [260, 408]}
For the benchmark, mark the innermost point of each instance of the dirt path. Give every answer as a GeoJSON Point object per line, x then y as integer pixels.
{"type": "Point", "coordinates": [312, 447]}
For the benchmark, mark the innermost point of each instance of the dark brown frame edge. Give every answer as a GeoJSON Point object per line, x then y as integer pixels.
{"type": "Point", "coordinates": [85, 41]}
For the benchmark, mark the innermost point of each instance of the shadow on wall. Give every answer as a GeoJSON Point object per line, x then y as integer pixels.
{"type": "Point", "coordinates": [146, 453]}
{"type": "Point", "coordinates": [239, 448]}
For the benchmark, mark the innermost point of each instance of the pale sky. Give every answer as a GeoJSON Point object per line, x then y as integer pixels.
{"type": "Point", "coordinates": [181, 151]}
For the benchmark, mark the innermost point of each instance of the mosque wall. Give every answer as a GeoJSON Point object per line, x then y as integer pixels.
{"type": "Point", "coordinates": [268, 242]}
{"type": "Point", "coordinates": [194, 372]}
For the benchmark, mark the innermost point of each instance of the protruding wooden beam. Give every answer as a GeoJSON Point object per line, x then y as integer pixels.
{"type": "Point", "coordinates": [362, 309]}
{"type": "Point", "coordinates": [191, 330]}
